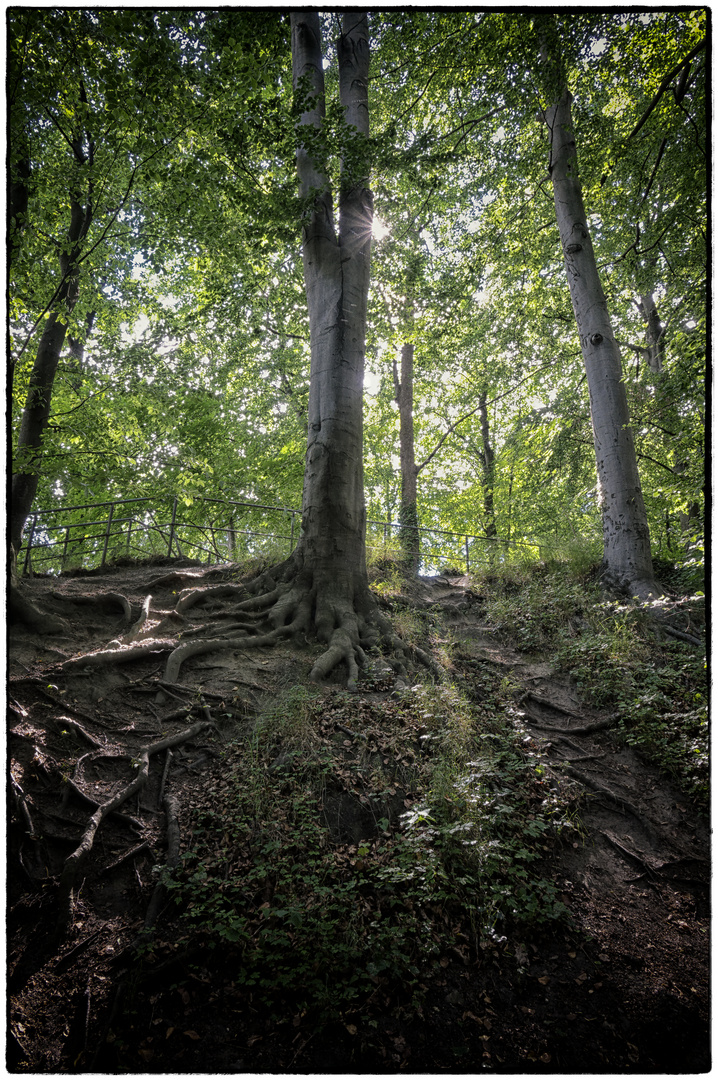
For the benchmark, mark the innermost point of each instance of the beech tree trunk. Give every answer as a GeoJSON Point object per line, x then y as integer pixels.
{"type": "Point", "coordinates": [408, 516]}
{"type": "Point", "coordinates": [322, 588]}
{"type": "Point", "coordinates": [626, 540]}
{"type": "Point", "coordinates": [336, 273]}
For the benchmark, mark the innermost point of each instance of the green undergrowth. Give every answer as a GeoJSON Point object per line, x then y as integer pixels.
{"type": "Point", "coordinates": [346, 845]}
{"type": "Point", "coordinates": [618, 657]}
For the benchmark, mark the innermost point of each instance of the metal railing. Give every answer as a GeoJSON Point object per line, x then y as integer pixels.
{"type": "Point", "coordinates": [144, 527]}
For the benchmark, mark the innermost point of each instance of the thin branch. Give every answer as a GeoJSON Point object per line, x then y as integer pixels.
{"type": "Point", "coordinates": [418, 98]}
{"type": "Point", "coordinates": [400, 67]}
{"type": "Point", "coordinates": [647, 457]}
{"type": "Point", "coordinates": [664, 143]}
{"type": "Point", "coordinates": [284, 333]}
{"type": "Point", "coordinates": [640, 349]}
{"type": "Point", "coordinates": [55, 416]}
{"type": "Point", "coordinates": [468, 124]}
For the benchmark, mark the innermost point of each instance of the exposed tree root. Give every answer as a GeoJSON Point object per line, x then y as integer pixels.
{"type": "Point", "coordinates": [286, 601]}
{"type": "Point", "coordinates": [98, 600]}
{"type": "Point", "coordinates": [135, 629]}
{"type": "Point", "coordinates": [587, 729]}
{"type": "Point", "coordinates": [125, 856]}
{"type": "Point", "coordinates": [67, 722]}
{"type": "Point", "coordinates": [289, 601]}
{"type": "Point", "coordinates": [648, 869]}
{"type": "Point", "coordinates": [78, 856]}
{"type": "Point", "coordinates": [104, 657]}
{"type": "Point", "coordinates": [681, 635]}
{"type": "Point", "coordinates": [196, 595]}
{"type": "Point", "coordinates": [173, 854]}
{"type": "Point", "coordinates": [22, 612]}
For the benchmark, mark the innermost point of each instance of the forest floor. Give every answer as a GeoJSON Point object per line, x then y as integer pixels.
{"type": "Point", "coordinates": [618, 984]}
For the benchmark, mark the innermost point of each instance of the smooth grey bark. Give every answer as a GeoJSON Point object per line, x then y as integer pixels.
{"type": "Point", "coordinates": [626, 539]}
{"type": "Point", "coordinates": [336, 273]}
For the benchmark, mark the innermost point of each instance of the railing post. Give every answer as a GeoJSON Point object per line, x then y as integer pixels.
{"type": "Point", "coordinates": [172, 525]}
{"type": "Point", "coordinates": [107, 533]}
{"type": "Point", "coordinates": [466, 547]}
{"type": "Point", "coordinates": [291, 539]}
{"type": "Point", "coordinates": [129, 534]}
{"type": "Point", "coordinates": [64, 546]}
{"type": "Point", "coordinates": [29, 544]}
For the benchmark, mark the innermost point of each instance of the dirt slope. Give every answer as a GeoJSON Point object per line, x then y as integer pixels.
{"type": "Point", "coordinates": [623, 988]}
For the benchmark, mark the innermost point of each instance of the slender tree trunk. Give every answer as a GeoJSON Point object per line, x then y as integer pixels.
{"type": "Point", "coordinates": [626, 540]}
{"type": "Point", "coordinates": [487, 463]}
{"type": "Point", "coordinates": [408, 515]}
{"type": "Point", "coordinates": [36, 412]}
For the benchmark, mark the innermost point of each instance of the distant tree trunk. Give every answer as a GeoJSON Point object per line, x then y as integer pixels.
{"type": "Point", "coordinates": [626, 540]}
{"type": "Point", "coordinates": [654, 333]}
{"type": "Point", "coordinates": [408, 516]}
{"type": "Point", "coordinates": [487, 465]}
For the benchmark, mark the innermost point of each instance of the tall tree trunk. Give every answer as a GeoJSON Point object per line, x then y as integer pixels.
{"type": "Point", "coordinates": [626, 540]}
{"type": "Point", "coordinates": [336, 273]}
{"type": "Point", "coordinates": [408, 516]}
{"type": "Point", "coordinates": [323, 586]}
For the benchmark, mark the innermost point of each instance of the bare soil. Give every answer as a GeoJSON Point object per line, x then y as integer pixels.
{"type": "Point", "coordinates": [622, 987]}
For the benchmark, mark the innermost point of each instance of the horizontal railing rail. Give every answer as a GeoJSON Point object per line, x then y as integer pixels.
{"type": "Point", "coordinates": [143, 533]}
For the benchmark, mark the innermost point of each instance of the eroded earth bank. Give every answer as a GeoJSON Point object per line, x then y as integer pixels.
{"type": "Point", "coordinates": [236, 871]}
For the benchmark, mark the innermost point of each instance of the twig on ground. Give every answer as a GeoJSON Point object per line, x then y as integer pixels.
{"type": "Point", "coordinates": [144, 846]}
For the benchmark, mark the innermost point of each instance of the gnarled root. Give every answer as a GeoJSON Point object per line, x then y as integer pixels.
{"type": "Point", "coordinates": [293, 601]}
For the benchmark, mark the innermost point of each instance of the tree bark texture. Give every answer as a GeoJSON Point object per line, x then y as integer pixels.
{"type": "Point", "coordinates": [626, 540]}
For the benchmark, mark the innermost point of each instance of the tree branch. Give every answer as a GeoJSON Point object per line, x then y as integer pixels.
{"type": "Point", "coordinates": [665, 84]}
{"type": "Point", "coordinates": [467, 415]}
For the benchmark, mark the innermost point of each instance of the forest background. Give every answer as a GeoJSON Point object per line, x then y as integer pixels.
{"type": "Point", "coordinates": [156, 291]}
